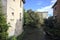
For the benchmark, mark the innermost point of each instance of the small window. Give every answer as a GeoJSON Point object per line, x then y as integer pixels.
{"type": "Point", "coordinates": [20, 16]}
{"type": "Point", "coordinates": [20, 3]}
{"type": "Point", "coordinates": [20, 19]}
{"type": "Point", "coordinates": [55, 8]}
{"type": "Point", "coordinates": [13, 13]}
{"type": "Point", "coordinates": [12, 19]}
{"type": "Point", "coordinates": [9, 23]}
{"type": "Point", "coordinates": [13, 0]}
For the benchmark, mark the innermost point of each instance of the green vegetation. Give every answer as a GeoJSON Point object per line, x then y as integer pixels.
{"type": "Point", "coordinates": [52, 28]}
{"type": "Point", "coordinates": [3, 25]}
{"type": "Point", "coordinates": [31, 19]}
{"type": "Point", "coordinates": [12, 38]}
{"type": "Point", "coordinates": [20, 37]}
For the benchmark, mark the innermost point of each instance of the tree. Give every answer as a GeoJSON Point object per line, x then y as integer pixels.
{"type": "Point", "coordinates": [31, 19]}
{"type": "Point", "coordinates": [3, 25]}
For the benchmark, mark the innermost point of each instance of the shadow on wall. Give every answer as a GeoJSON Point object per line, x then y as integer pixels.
{"type": "Point", "coordinates": [19, 27]}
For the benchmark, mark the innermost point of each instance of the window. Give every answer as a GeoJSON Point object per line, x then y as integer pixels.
{"type": "Point", "coordinates": [55, 8]}
{"type": "Point", "coordinates": [20, 3]}
{"type": "Point", "coordinates": [20, 16]}
{"type": "Point", "coordinates": [55, 18]}
{"type": "Point", "coordinates": [13, 0]}
{"type": "Point", "coordinates": [13, 13]}
{"type": "Point", "coordinates": [12, 19]}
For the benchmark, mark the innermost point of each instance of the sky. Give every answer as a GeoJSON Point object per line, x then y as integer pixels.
{"type": "Point", "coordinates": [40, 5]}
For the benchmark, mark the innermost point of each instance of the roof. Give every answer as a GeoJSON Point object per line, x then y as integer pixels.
{"type": "Point", "coordinates": [54, 5]}
{"type": "Point", "coordinates": [23, 1]}
{"type": "Point", "coordinates": [43, 12]}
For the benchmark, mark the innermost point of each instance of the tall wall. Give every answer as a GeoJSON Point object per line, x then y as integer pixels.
{"type": "Point", "coordinates": [14, 13]}
{"type": "Point", "coordinates": [56, 11]}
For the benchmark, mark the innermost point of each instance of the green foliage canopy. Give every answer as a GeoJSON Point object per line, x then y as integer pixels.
{"type": "Point", "coordinates": [52, 28]}
{"type": "Point", "coordinates": [31, 19]}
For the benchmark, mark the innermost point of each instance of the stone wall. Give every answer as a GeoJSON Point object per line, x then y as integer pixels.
{"type": "Point", "coordinates": [56, 11]}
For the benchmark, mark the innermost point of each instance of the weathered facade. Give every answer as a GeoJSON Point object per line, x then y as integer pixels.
{"type": "Point", "coordinates": [56, 11]}
{"type": "Point", "coordinates": [42, 16]}
{"type": "Point", "coordinates": [13, 10]}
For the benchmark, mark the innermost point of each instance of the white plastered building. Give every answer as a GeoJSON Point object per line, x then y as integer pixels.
{"type": "Point", "coordinates": [13, 10]}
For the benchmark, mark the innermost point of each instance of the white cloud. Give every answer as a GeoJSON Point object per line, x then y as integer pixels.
{"type": "Point", "coordinates": [50, 12]}
{"type": "Point", "coordinates": [47, 8]}
{"type": "Point", "coordinates": [53, 1]}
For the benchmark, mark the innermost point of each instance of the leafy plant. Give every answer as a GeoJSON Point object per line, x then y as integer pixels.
{"type": "Point", "coordinates": [3, 25]}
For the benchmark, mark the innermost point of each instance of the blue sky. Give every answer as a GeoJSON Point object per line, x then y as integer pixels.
{"type": "Point", "coordinates": [40, 5]}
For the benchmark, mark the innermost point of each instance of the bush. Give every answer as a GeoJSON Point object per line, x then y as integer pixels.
{"type": "Point", "coordinates": [3, 25]}
{"type": "Point", "coordinates": [20, 37]}
{"type": "Point", "coordinates": [12, 38]}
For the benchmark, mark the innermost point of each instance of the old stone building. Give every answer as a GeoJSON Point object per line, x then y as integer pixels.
{"type": "Point", "coordinates": [43, 15]}
{"type": "Point", "coordinates": [13, 10]}
{"type": "Point", "coordinates": [56, 11]}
